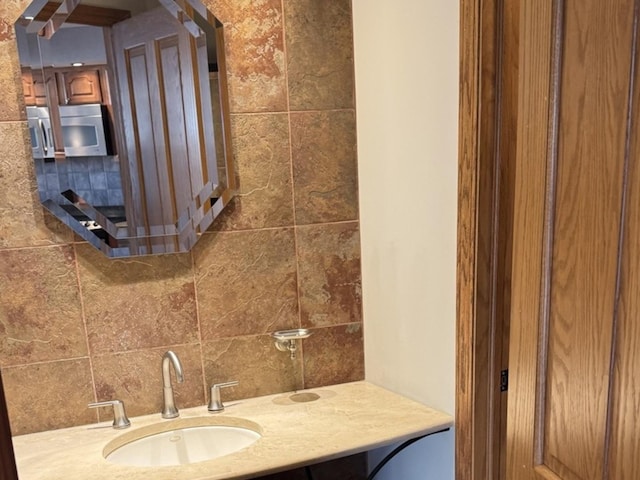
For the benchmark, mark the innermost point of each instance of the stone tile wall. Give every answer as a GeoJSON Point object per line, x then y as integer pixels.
{"type": "Point", "coordinates": [76, 327]}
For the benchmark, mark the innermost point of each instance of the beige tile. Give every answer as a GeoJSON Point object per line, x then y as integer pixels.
{"type": "Point", "coordinates": [137, 303]}
{"type": "Point", "coordinates": [10, 10]}
{"type": "Point", "coordinates": [263, 174]}
{"type": "Point", "coordinates": [136, 379]}
{"type": "Point", "coordinates": [12, 104]}
{"type": "Point", "coordinates": [254, 53]}
{"type": "Point", "coordinates": [40, 314]}
{"type": "Point", "coordinates": [319, 54]}
{"type": "Point", "coordinates": [334, 355]}
{"type": "Point", "coordinates": [6, 30]}
{"type": "Point", "coordinates": [255, 362]}
{"type": "Point", "coordinates": [23, 221]}
{"type": "Point", "coordinates": [47, 396]}
{"type": "Point", "coordinates": [246, 282]}
{"type": "Point", "coordinates": [329, 270]}
{"type": "Point", "coordinates": [325, 171]}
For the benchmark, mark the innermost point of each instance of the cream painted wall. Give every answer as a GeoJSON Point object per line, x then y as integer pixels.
{"type": "Point", "coordinates": [406, 62]}
{"type": "Point", "coordinates": [406, 65]}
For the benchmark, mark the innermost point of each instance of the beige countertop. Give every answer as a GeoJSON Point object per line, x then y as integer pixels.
{"type": "Point", "coordinates": [345, 419]}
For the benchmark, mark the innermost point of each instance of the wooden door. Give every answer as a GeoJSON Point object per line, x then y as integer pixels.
{"type": "Point", "coordinates": [574, 392]}
{"type": "Point", "coordinates": [167, 145]}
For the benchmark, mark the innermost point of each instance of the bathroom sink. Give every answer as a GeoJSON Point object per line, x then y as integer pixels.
{"type": "Point", "coordinates": [180, 442]}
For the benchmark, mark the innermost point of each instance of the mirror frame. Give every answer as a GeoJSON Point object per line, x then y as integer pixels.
{"type": "Point", "coordinates": [205, 206]}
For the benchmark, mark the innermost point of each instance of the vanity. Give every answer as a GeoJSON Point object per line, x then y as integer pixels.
{"type": "Point", "coordinates": [155, 103]}
{"type": "Point", "coordinates": [295, 428]}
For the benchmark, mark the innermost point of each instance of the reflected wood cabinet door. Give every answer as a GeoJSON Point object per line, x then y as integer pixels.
{"type": "Point", "coordinates": [574, 389]}
{"type": "Point", "coordinates": [76, 87]}
{"type": "Point", "coordinates": [33, 88]}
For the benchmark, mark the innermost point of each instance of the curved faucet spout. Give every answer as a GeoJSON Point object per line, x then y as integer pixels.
{"type": "Point", "coordinates": [169, 409]}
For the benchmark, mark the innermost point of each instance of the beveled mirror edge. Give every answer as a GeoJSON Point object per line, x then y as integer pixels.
{"type": "Point", "coordinates": [185, 239]}
{"type": "Point", "coordinates": [226, 109]}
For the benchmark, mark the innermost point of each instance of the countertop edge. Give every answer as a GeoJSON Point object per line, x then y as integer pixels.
{"type": "Point", "coordinates": [347, 419]}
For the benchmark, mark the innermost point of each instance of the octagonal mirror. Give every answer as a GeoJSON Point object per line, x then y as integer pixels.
{"type": "Point", "coordinates": [127, 109]}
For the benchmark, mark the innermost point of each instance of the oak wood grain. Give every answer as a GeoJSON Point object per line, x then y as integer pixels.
{"type": "Point", "coordinates": [592, 118]}
{"type": "Point", "coordinates": [486, 390]}
{"type": "Point", "coordinates": [566, 418]}
{"type": "Point", "coordinates": [624, 440]}
{"type": "Point", "coordinates": [536, 24]}
{"type": "Point", "coordinates": [507, 142]}
{"type": "Point", "coordinates": [466, 255]}
{"type": "Point", "coordinates": [488, 94]}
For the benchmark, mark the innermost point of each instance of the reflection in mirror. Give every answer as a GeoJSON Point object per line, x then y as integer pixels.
{"type": "Point", "coordinates": [128, 117]}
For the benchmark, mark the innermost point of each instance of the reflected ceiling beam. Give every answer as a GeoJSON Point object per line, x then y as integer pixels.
{"type": "Point", "coordinates": [86, 15]}
{"type": "Point", "coordinates": [58, 18]}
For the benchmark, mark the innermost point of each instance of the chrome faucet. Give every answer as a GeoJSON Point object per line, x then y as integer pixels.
{"type": "Point", "coordinates": [169, 409]}
{"type": "Point", "coordinates": [120, 419]}
{"type": "Point", "coordinates": [215, 403]}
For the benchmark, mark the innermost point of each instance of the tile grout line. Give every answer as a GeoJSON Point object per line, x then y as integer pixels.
{"type": "Point", "coordinates": [84, 324]}
{"type": "Point", "coordinates": [283, 227]}
{"type": "Point", "coordinates": [298, 382]}
{"type": "Point", "coordinates": [197, 305]}
{"type": "Point", "coordinates": [99, 355]}
{"type": "Point", "coordinates": [284, 112]}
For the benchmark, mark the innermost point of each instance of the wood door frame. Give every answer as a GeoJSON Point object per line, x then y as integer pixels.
{"type": "Point", "coordinates": [480, 334]}
{"type": "Point", "coordinates": [471, 407]}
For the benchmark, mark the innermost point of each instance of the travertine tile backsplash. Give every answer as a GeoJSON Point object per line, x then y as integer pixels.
{"type": "Point", "coordinates": [76, 327]}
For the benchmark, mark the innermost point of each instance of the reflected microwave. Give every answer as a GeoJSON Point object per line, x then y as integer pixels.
{"type": "Point", "coordinates": [84, 130]}
{"type": "Point", "coordinates": [40, 132]}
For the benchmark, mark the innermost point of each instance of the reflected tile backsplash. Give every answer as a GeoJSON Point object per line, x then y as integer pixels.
{"type": "Point", "coordinates": [76, 327]}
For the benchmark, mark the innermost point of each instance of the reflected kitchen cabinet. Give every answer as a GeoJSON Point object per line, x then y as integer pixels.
{"type": "Point", "coordinates": [76, 86]}
{"type": "Point", "coordinates": [33, 88]}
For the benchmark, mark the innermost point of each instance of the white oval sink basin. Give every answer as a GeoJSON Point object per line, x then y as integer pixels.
{"type": "Point", "coordinates": [188, 442]}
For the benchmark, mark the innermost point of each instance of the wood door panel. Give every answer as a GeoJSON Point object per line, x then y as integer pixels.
{"type": "Point", "coordinates": [591, 122]}
{"type": "Point", "coordinates": [146, 146]}
{"type": "Point", "coordinates": [528, 235]}
{"type": "Point", "coordinates": [581, 60]}
{"type": "Point", "coordinates": [625, 394]}
{"type": "Point", "coordinates": [169, 66]}
{"type": "Point", "coordinates": [157, 60]}
{"type": "Point", "coordinates": [576, 66]}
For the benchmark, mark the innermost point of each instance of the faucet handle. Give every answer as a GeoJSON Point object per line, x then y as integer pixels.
{"type": "Point", "coordinates": [215, 404]}
{"type": "Point", "coordinates": [120, 419]}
